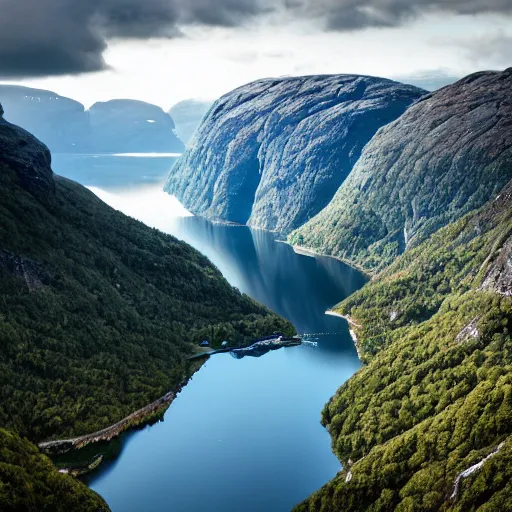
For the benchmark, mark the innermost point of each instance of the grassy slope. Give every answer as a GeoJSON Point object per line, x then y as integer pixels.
{"type": "Point", "coordinates": [432, 400]}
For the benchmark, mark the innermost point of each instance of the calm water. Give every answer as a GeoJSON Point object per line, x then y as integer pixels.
{"type": "Point", "coordinates": [243, 435]}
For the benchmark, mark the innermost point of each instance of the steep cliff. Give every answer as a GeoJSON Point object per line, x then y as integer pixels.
{"type": "Point", "coordinates": [272, 153]}
{"type": "Point", "coordinates": [445, 156]}
{"type": "Point", "coordinates": [425, 425]}
{"type": "Point", "coordinates": [28, 157]}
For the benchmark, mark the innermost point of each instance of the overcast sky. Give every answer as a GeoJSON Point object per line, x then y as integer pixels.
{"type": "Point", "coordinates": [163, 51]}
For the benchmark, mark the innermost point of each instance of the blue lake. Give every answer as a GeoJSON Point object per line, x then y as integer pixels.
{"type": "Point", "coordinates": [244, 434]}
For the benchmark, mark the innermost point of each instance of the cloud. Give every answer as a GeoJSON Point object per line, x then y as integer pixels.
{"type": "Point", "coordinates": [349, 15]}
{"type": "Point", "coordinates": [491, 49]}
{"type": "Point", "coordinates": [55, 37]}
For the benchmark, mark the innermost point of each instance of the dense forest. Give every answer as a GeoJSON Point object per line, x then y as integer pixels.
{"type": "Point", "coordinates": [30, 483]}
{"type": "Point", "coordinates": [98, 315]}
{"type": "Point", "coordinates": [98, 312]}
{"type": "Point", "coordinates": [438, 399]}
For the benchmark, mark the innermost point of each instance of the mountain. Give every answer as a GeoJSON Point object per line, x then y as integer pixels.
{"type": "Point", "coordinates": [98, 313]}
{"type": "Point", "coordinates": [129, 126]}
{"type": "Point", "coordinates": [60, 122]}
{"type": "Point", "coordinates": [425, 425]}
{"type": "Point", "coordinates": [114, 126]}
{"type": "Point", "coordinates": [187, 115]}
{"type": "Point", "coordinates": [429, 80]}
{"type": "Point", "coordinates": [272, 153]}
{"type": "Point", "coordinates": [445, 156]}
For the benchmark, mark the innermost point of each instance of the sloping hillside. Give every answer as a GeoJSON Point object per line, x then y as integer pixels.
{"type": "Point", "coordinates": [425, 425]}
{"type": "Point", "coordinates": [447, 155]}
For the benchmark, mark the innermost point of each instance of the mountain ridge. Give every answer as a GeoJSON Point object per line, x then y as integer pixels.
{"type": "Point", "coordinates": [114, 126]}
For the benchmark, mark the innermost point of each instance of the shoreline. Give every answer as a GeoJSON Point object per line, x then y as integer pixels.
{"type": "Point", "coordinates": [274, 343]}
{"type": "Point", "coordinates": [352, 332]}
{"type": "Point", "coordinates": [306, 251]}
{"type": "Point", "coordinates": [144, 416]}
{"type": "Point", "coordinates": [135, 419]}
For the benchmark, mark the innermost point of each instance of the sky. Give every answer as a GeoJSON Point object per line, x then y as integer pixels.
{"type": "Point", "coordinates": [165, 51]}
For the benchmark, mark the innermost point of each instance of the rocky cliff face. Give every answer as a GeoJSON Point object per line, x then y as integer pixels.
{"type": "Point", "coordinates": [272, 153]}
{"type": "Point", "coordinates": [31, 159]}
{"type": "Point", "coordinates": [447, 155]}
{"type": "Point", "coordinates": [109, 127]}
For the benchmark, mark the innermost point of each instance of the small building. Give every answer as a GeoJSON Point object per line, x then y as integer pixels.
{"type": "Point", "coordinates": [224, 344]}
{"type": "Point", "coordinates": [205, 343]}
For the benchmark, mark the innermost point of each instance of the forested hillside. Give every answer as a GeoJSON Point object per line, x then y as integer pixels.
{"type": "Point", "coordinates": [30, 483]}
{"type": "Point", "coordinates": [446, 155]}
{"type": "Point", "coordinates": [434, 399]}
{"type": "Point", "coordinates": [98, 314]}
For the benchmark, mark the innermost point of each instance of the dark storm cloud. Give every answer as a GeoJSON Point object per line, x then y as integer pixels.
{"type": "Point", "coordinates": [51, 37]}
{"type": "Point", "coordinates": [346, 15]}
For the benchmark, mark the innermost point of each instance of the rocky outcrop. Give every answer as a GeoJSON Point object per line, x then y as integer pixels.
{"type": "Point", "coordinates": [32, 272]}
{"type": "Point", "coordinates": [273, 153]}
{"type": "Point", "coordinates": [65, 126]}
{"type": "Point", "coordinates": [447, 155]}
{"type": "Point", "coordinates": [187, 115]}
{"type": "Point", "coordinates": [30, 159]}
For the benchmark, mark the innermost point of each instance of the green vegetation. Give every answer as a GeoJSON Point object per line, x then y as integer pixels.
{"type": "Point", "coordinates": [99, 317]}
{"type": "Point", "coordinates": [436, 395]}
{"type": "Point", "coordinates": [446, 156]}
{"type": "Point", "coordinates": [29, 482]}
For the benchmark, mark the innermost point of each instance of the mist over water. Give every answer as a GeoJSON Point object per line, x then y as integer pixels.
{"type": "Point", "coordinates": [243, 434]}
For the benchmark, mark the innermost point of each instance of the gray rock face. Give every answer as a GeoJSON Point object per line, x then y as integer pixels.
{"type": "Point", "coordinates": [117, 126]}
{"type": "Point", "coordinates": [187, 115]}
{"type": "Point", "coordinates": [28, 157]}
{"type": "Point", "coordinates": [499, 274]}
{"type": "Point", "coordinates": [273, 153]}
{"type": "Point", "coordinates": [447, 155]}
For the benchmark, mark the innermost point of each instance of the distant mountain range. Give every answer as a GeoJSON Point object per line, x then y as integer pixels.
{"type": "Point", "coordinates": [116, 126]}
